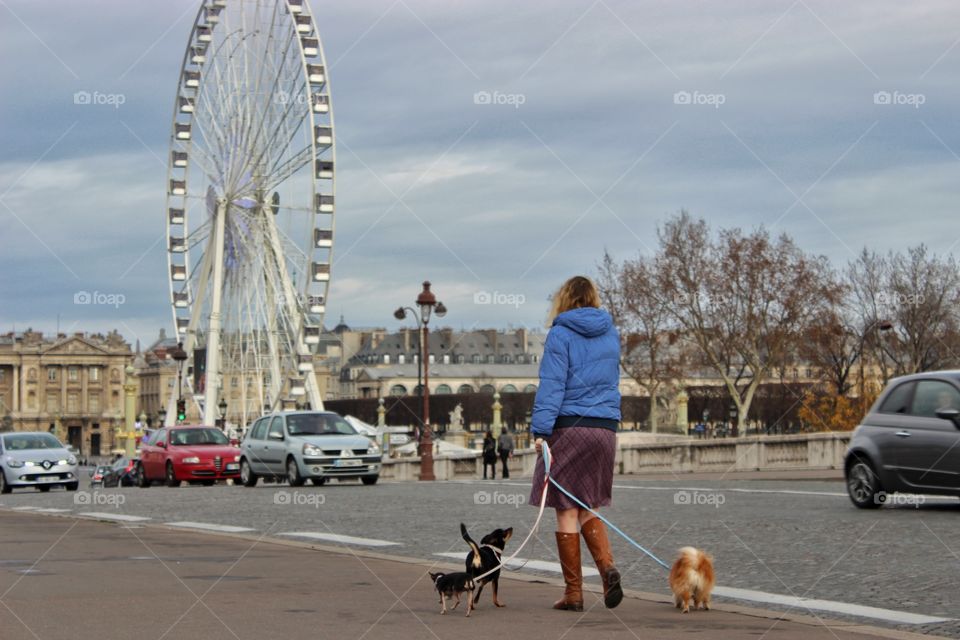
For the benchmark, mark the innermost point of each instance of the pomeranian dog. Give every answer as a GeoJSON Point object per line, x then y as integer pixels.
{"type": "Point", "coordinates": [692, 578]}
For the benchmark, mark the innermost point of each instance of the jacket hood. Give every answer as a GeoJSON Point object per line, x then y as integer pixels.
{"type": "Point", "coordinates": [589, 322]}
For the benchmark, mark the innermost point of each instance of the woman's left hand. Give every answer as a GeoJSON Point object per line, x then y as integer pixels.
{"type": "Point", "coordinates": [538, 445]}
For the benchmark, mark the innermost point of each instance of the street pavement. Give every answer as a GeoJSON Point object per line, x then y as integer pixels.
{"type": "Point", "coordinates": [67, 578]}
{"type": "Point", "coordinates": [774, 539]}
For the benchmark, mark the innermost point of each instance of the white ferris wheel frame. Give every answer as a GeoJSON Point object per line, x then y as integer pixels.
{"type": "Point", "coordinates": [187, 301]}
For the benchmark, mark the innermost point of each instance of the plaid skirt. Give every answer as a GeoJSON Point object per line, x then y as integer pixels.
{"type": "Point", "coordinates": [582, 462]}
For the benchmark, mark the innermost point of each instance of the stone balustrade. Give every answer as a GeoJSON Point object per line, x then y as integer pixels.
{"type": "Point", "coordinates": [662, 455]}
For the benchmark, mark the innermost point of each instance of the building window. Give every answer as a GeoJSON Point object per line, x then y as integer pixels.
{"type": "Point", "coordinates": [94, 374]}
{"type": "Point", "coordinates": [386, 358]}
{"type": "Point", "coordinates": [73, 402]}
{"type": "Point", "coordinates": [491, 359]}
{"type": "Point", "coordinates": [530, 388]}
{"type": "Point", "coordinates": [94, 401]}
{"type": "Point", "coordinates": [476, 358]}
{"type": "Point", "coordinates": [488, 388]}
{"type": "Point", "coordinates": [465, 388]}
{"type": "Point", "coordinates": [443, 389]}
{"type": "Point", "coordinates": [401, 359]}
{"type": "Point", "coordinates": [51, 374]}
{"type": "Point", "coordinates": [398, 390]}
{"type": "Point", "coordinates": [507, 359]}
{"type": "Point", "coordinates": [446, 358]}
{"type": "Point", "coordinates": [461, 358]}
{"type": "Point", "coordinates": [234, 383]}
{"type": "Point", "coordinates": [431, 359]}
{"type": "Point", "coordinates": [53, 403]}
{"type": "Point", "coordinates": [508, 388]}
{"type": "Point", "coordinates": [73, 374]}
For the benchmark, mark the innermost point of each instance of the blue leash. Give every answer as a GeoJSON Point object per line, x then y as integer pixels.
{"type": "Point", "coordinates": [547, 459]}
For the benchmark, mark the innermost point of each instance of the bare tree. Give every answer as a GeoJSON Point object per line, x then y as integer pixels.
{"type": "Point", "coordinates": [744, 300]}
{"type": "Point", "coordinates": [651, 353]}
{"type": "Point", "coordinates": [915, 294]}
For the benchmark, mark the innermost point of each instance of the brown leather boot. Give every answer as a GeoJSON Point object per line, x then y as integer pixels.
{"type": "Point", "coordinates": [568, 546]}
{"type": "Point", "coordinates": [594, 533]}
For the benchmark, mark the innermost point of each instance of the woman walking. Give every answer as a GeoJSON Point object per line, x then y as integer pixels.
{"type": "Point", "coordinates": [577, 412]}
{"type": "Point", "coordinates": [489, 456]}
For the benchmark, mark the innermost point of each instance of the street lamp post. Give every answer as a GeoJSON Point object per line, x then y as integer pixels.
{"type": "Point", "coordinates": [882, 325]}
{"type": "Point", "coordinates": [223, 414]}
{"type": "Point", "coordinates": [427, 304]}
{"type": "Point", "coordinates": [180, 356]}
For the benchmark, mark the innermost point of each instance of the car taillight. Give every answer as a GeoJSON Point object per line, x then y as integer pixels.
{"type": "Point", "coordinates": [129, 468]}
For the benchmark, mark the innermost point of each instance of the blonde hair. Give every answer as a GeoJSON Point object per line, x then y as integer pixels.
{"type": "Point", "coordinates": [578, 291]}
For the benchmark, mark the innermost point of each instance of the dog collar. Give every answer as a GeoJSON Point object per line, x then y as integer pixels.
{"type": "Point", "coordinates": [496, 550]}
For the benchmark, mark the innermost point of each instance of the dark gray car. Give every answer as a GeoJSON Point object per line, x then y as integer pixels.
{"type": "Point", "coordinates": [908, 442]}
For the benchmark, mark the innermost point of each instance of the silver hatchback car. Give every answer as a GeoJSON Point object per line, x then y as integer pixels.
{"type": "Point", "coordinates": [35, 459]}
{"type": "Point", "coordinates": [307, 445]}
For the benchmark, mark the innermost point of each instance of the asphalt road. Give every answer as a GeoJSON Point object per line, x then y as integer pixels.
{"type": "Point", "coordinates": [777, 537]}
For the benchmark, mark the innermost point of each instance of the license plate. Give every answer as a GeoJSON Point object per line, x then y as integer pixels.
{"type": "Point", "coordinates": [48, 479]}
{"type": "Point", "coordinates": [233, 466]}
{"type": "Point", "coordinates": [349, 463]}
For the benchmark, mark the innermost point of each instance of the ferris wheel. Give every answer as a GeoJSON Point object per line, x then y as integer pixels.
{"type": "Point", "coordinates": [250, 205]}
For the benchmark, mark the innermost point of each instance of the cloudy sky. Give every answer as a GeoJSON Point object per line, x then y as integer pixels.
{"type": "Point", "coordinates": [834, 122]}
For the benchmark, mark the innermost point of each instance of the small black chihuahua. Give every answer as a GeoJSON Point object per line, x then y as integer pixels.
{"type": "Point", "coordinates": [451, 585]}
{"type": "Point", "coordinates": [484, 557]}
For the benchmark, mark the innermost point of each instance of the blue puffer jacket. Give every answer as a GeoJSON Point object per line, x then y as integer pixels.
{"type": "Point", "coordinates": [580, 370]}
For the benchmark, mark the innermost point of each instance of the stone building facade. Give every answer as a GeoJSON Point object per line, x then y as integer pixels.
{"type": "Point", "coordinates": [71, 386]}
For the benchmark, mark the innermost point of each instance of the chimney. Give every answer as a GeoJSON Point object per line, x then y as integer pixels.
{"type": "Point", "coordinates": [522, 337]}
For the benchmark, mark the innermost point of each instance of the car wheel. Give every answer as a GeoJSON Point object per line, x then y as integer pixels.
{"type": "Point", "coordinates": [44, 488]}
{"type": "Point", "coordinates": [72, 486]}
{"type": "Point", "coordinates": [247, 476]}
{"type": "Point", "coordinates": [863, 485]}
{"type": "Point", "coordinates": [142, 480]}
{"type": "Point", "coordinates": [369, 479]}
{"type": "Point", "coordinates": [171, 477]}
{"type": "Point", "coordinates": [4, 487]}
{"type": "Point", "coordinates": [293, 473]}
{"type": "Point", "coordinates": [318, 482]}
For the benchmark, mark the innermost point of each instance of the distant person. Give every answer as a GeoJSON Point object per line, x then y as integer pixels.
{"type": "Point", "coordinates": [505, 448]}
{"type": "Point", "coordinates": [489, 455]}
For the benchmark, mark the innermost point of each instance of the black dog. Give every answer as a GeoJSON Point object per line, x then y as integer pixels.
{"type": "Point", "coordinates": [450, 585]}
{"type": "Point", "coordinates": [484, 557]}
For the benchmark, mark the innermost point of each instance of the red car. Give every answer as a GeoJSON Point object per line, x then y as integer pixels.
{"type": "Point", "coordinates": [193, 453]}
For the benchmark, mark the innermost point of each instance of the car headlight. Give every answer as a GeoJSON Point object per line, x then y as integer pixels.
{"type": "Point", "coordinates": [72, 460]}
{"type": "Point", "coordinates": [236, 458]}
{"type": "Point", "coordinates": [29, 464]}
{"type": "Point", "coordinates": [191, 460]}
{"type": "Point", "coordinates": [374, 449]}
{"type": "Point", "coordinates": [312, 450]}
{"type": "Point", "coordinates": [14, 464]}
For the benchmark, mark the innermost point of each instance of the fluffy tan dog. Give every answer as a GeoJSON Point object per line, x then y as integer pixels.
{"type": "Point", "coordinates": [692, 578]}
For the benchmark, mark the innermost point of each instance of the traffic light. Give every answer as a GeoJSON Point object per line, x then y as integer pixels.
{"type": "Point", "coordinates": [181, 410]}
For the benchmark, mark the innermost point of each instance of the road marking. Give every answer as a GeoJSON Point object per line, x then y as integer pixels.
{"type": "Point", "coordinates": [119, 517]}
{"type": "Point", "coordinates": [223, 528]}
{"type": "Point", "coordinates": [52, 510]}
{"type": "Point", "coordinates": [24, 508]}
{"type": "Point", "coordinates": [888, 615]}
{"type": "Point", "coordinates": [336, 537]}
{"type": "Point", "coordinates": [517, 563]}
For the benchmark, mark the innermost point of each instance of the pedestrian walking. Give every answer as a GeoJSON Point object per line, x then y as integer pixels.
{"type": "Point", "coordinates": [489, 455]}
{"type": "Point", "coordinates": [505, 449]}
{"type": "Point", "coordinates": [577, 412]}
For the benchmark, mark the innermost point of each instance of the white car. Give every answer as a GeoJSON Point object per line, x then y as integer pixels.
{"type": "Point", "coordinates": [36, 459]}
